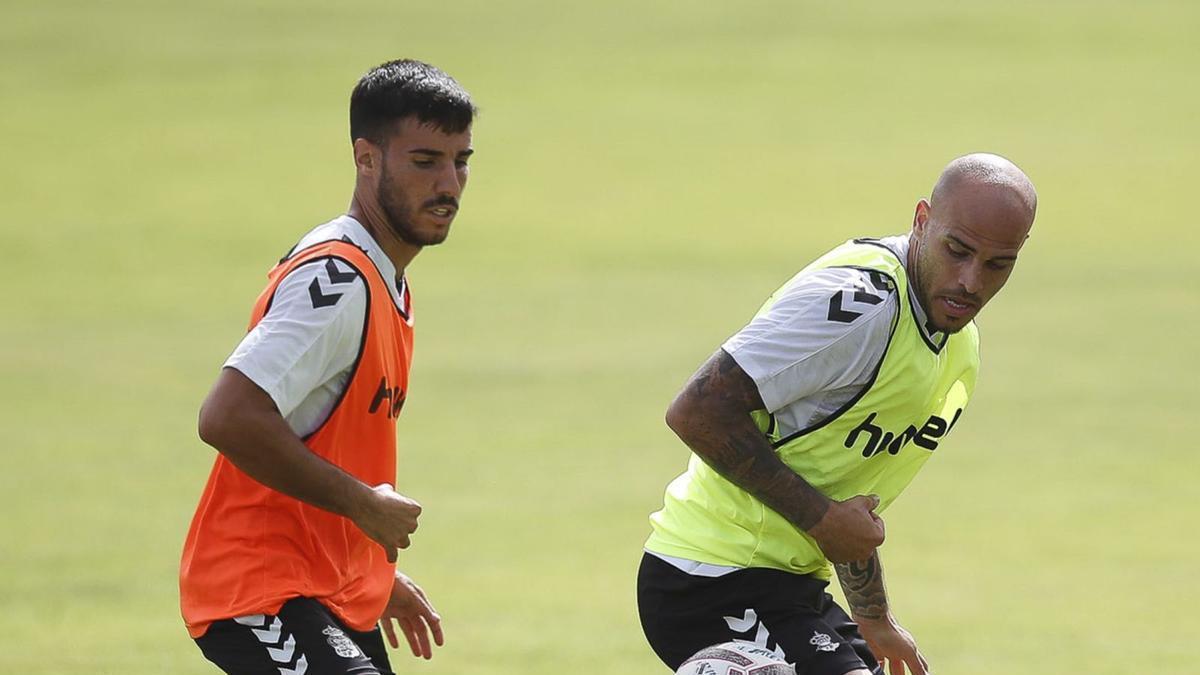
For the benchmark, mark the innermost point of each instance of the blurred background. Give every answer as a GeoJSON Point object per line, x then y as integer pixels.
{"type": "Point", "coordinates": [646, 174]}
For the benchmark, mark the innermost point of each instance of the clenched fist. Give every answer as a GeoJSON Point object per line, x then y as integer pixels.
{"type": "Point", "coordinates": [387, 517]}
{"type": "Point", "coordinates": [849, 530]}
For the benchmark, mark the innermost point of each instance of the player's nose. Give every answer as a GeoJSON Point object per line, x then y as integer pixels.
{"type": "Point", "coordinates": [971, 278]}
{"type": "Point", "coordinates": [448, 183]}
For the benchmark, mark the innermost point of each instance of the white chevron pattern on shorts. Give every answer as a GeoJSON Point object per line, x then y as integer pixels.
{"type": "Point", "coordinates": [281, 647]}
{"type": "Point", "coordinates": [744, 624]}
{"type": "Point", "coordinates": [270, 633]}
{"type": "Point", "coordinates": [284, 653]}
{"type": "Point", "coordinates": [301, 666]}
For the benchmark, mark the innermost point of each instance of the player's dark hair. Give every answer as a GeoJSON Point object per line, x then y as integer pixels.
{"type": "Point", "coordinates": [404, 88]}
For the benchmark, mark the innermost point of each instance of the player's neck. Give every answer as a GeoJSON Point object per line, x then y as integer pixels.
{"type": "Point", "coordinates": [910, 271]}
{"type": "Point", "coordinates": [400, 252]}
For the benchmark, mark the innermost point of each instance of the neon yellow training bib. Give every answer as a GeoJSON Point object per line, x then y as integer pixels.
{"type": "Point", "coordinates": [873, 445]}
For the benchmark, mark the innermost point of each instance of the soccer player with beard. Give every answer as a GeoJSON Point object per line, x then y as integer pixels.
{"type": "Point", "coordinates": [288, 565]}
{"type": "Point", "coordinates": [812, 419]}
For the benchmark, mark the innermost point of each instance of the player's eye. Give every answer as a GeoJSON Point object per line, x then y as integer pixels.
{"type": "Point", "coordinates": [957, 252]}
{"type": "Point", "coordinates": [998, 266]}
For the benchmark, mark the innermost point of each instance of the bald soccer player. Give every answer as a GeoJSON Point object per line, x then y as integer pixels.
{"type": "Point", "coordinates": [812, 419]}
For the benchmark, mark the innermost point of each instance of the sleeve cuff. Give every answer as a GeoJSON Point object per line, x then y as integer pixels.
{"type": "Point", "coordinates": [260, 380]}
{"type": "Point", "coordinates": [767, 393]}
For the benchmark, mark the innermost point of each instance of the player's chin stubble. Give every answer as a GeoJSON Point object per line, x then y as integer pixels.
{"type": "Point", "coordinates": [400, 217]}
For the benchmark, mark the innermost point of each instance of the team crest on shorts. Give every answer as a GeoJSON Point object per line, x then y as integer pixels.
{"type": "Point", "coordinates": [823, 642]}
{"type": "Point", "coordinates": [341, 644]}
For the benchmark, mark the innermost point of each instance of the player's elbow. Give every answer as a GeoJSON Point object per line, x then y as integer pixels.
{"type": "Point", "coordinates": [230, 412]}
{"type": "Point", "coordinates": [218, 422]}
{"type": "Point", "coordinates": [680, 414]}
{"type": "Point", "coordinates": [210, 425]}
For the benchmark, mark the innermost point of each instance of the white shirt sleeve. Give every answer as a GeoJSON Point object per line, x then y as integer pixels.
{"type": "Point", "coordinates": [309, 337]}
{"type": "Point", "coordinates": [828, 330]}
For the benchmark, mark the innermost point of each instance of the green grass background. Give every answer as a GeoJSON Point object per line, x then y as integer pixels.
{"type": "Point", "coordinates": [646, 174]}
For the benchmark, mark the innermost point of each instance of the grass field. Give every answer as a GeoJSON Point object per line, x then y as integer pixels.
{"type": "Point", "coordinates": [646, 174]}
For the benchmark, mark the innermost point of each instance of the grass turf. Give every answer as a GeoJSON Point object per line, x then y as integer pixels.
{"type": "Point", "coordinates": [645, 176]}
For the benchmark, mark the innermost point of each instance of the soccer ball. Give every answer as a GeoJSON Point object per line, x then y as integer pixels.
{"type": "Point", "coordinates": [735, 658]}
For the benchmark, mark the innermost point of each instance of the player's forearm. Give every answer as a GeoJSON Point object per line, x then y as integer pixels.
{"type": "Point", "coordinates": [711, 417]}
{"type": "Point", "coordinates": [244, 426]}
{"type": "Point", "coordinates": [862, 582]}
{"type": "Point", "coordinates": [739, 452]}
{"type": "Point", "coordinates": [260, 449]}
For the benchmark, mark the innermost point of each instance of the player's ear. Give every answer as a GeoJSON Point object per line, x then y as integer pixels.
{"type": "Point", "coordinates": [921, 216]}
{"type": "Point", "coordinates": [367, 157]}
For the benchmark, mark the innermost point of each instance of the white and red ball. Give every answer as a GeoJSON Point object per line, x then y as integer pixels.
{"type": "Point", "coordinates": [735, 658]}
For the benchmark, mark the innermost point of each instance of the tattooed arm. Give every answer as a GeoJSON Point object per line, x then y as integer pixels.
{"type": "Point", "coordinates": [862, 582]}
{"type": "Point", "coordinates": [712, 416]}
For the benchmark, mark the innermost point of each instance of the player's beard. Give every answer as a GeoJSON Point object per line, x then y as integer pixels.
{"type": "Point", "coordinates": [400, 214]}
{"type": "Point", "coordinates": [920, 280]}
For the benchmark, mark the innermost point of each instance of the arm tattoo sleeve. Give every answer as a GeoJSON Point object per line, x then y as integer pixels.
{"type": "Point", "coordinates": [862, 582]}
{"type": "Point", "coordinates": [712, 415]}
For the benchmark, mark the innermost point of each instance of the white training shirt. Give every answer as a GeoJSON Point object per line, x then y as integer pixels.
{"type": "Point", "coordinates": [302, 352]}
{"type": "Point", "coordinates": [804, 365]}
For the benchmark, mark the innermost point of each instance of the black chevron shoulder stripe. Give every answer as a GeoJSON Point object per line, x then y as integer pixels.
{"type": "Point", "coordinates": [842, 304]}
{"type": "Point", "coordinates": [336, 275]}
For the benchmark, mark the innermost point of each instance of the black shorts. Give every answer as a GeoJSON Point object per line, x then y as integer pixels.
{"type": "Point", "coordinates": [789, 613]}
{"type": "Point", "coordinates": [304, 637]}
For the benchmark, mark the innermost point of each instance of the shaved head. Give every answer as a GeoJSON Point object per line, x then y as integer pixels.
{"type": "Point", "coordinates": [987, 177]}
{"type": "Point", "coordinates": [967, 235]}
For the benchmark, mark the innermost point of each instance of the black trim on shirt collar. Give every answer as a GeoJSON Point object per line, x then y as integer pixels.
{"type": "Point", "coordinates": [927, 336]}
